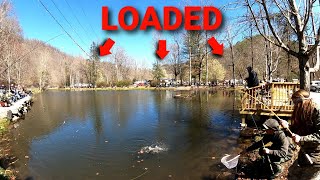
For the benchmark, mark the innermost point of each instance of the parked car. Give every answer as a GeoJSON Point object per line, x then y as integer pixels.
{"type": "Point", "coordinates": [315, 86]}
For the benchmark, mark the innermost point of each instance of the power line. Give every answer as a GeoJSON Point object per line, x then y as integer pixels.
{"type": "Point", "coordinates": [77, 19]}
{"type": "Point", "coordinates": [88, 21]}
{"type": "Point", "coordinates": [68, 22]}
{"type": "Point", "coordinates": [63, 28]}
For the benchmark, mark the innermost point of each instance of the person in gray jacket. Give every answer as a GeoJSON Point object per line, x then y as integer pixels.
{"type": "Point", "coordinates": [306, 128]}
{"type": "Point", "coordinates": [278, 152]}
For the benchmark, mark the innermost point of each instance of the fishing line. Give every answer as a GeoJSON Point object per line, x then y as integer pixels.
{"type": "Point", "coordinates": [263, 145]}
{"type": "Point", "coordinates": [139, 175]}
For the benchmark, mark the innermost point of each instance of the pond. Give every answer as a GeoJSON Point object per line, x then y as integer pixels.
{"type": "Point", "coordinates": [126, 134]}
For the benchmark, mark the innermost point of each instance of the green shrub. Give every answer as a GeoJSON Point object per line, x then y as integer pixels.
{"type": "Point", "coordinates": [4, 125]}
{"type": "Point", "coordinates": [154, 83]}
{"type": "Point", "coordinates": [102, 84]}
{"type": "Point", "coordinates": [123, 83]}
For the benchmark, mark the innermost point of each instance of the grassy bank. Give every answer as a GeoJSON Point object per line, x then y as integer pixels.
{"type": "Point", "coordinates": [4, 125]}
{"type": "Point", "coordinates": [35, 90]}
{"type": "Point", "coordinates": [6, 159]}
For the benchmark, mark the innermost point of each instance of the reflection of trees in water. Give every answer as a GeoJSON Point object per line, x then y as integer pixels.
{"type": "Point", "coordinates": [98, 114]}
{"type": "Point", "coordinates": [229, 93]}
{"type": "Point", "coordinates": [163, 113]}
{"type": "Point", "coordinates": [117, 107]}
{"type": "Point", "coordinates": [125, 106]}
{"type": "Point", "coordinates": [53, 108]}
{"type": "Point", "coordinates": [199, 119]}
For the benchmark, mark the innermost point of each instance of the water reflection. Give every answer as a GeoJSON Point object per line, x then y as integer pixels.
{"type": "Point", "coordinates": [97, 135]}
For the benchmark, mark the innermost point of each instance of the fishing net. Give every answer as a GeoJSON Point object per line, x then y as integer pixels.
{"type": "Point", "coordinates": [230, 162]}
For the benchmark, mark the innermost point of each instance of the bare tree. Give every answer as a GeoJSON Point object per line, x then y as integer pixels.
{"type": "Point", "coordinates": [175, 57]}
{"type": "Point", "coordinates": [230, 38]}
{"type": "Point", "coordinates": [120, 60]}
{"type": "Point", "coordinates": [10, 35]}
{"type": "Point", "coordinates": [298, 17]}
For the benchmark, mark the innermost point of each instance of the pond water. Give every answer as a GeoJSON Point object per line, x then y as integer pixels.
{"type": "Point", "coordinates": [126, 134]}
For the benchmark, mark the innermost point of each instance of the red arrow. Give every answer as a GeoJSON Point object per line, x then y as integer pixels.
{"type": "Point", "coordinates": [162, 49]}
{"type": "Point", "coordinates": [216, 47]}
{"type": "Point", "coordinates": [105, 49]}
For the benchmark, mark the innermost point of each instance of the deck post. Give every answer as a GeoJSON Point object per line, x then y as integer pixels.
{"type": "Point", "coordinates": [272, 95]}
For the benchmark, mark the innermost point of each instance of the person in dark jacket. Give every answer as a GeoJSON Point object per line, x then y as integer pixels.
{"type": "Point", "coordinates": [252, 79]}
{"type": "Point", "coordinates": [306, 128]}
{"type": "Point", "coordinates": [278, 152]}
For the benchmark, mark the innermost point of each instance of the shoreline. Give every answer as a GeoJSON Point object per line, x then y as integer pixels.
{"type": "Point", "coordinates": [7, 159]}
{"type": "Point", "coordinates": [8, 117]}
{"type": "Point", "coordinates": [179, 88]}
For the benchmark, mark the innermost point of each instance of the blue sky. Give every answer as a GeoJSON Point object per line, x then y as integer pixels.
{"type": "Point", "coordinates": [38, 24]}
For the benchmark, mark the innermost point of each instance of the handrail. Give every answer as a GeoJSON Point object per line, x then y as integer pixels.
{"type": "Point", "coordinates": [272, 95]}
{"type": "Point", "coordinates": [279, 119]}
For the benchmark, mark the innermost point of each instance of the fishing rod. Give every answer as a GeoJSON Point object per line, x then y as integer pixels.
{"type": "Point", "coordinates": [287, 129]}
{"type": "Point", "coordinates": [263, 145]}
{"type": "Point", "coordinates": [234, 161]}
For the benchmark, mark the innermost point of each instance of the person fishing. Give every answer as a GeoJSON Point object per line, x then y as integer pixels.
{"type": "Point", "coordinates": [306, 132]}
{"type": "Point", "coordinates": [278, 152]}
{"type": "Point", "coordinates": [252, 79]}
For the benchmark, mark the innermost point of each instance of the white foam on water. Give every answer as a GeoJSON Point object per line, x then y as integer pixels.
{"type": "Point", "coordinates": [154, 149]}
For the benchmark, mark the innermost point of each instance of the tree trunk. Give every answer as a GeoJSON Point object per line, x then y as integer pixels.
{"type": "Point", "coordinates": [251, 40]}
{"type": "Point", "coordinates": [9, 78]}
{"type": "Point", "coordinates": [40, 82]}
{"type": "Point", "coordinates": [289, 68]}
{"type": "Point", "coordinates": [200, 63]}
{"type": "Point", "coordinates": [189, 61]}
{"type": "Point", "coordinates": [200, 73]}
{"type": "Point", "coordinates": [232, 58]}
{"type": "Point", "coordinates": [268, 61]}
{"type": "Point", "coordinates": [207, 83]}
{"type": "Point", "coordinates": [19, 72]}
{"type": "Point", "coordinates": [304, 68]}
{"type": "Point", "coordinates": [70, 79]}
{"type": "Point", "coordinates": [175, 74]}
{"type": "Point", "coordinates": [181, 75]}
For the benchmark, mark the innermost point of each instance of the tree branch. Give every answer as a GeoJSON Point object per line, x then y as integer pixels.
{"type": "Point", "coordinates": [307, 15]}
{"type": "Point", "coordinates": [287, 18]}
{"type": "Point", "coordinates": [296, 16]}
{"type": "Point", "coordinates": [280, 42]}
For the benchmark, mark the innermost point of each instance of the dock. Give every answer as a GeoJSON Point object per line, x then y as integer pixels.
{"type": "Point", "coordinates": [267, 99]}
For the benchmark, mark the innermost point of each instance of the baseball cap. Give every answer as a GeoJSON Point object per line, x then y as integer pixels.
{"type": "Point", "coordinates": [271, 124]}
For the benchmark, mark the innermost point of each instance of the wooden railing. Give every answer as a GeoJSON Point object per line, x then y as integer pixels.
{"type": "Point", "coordinates": [274, 96]}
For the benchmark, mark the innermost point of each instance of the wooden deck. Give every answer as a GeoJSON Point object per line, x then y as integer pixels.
{"type": "Point", "coordinates": [268, 100]}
